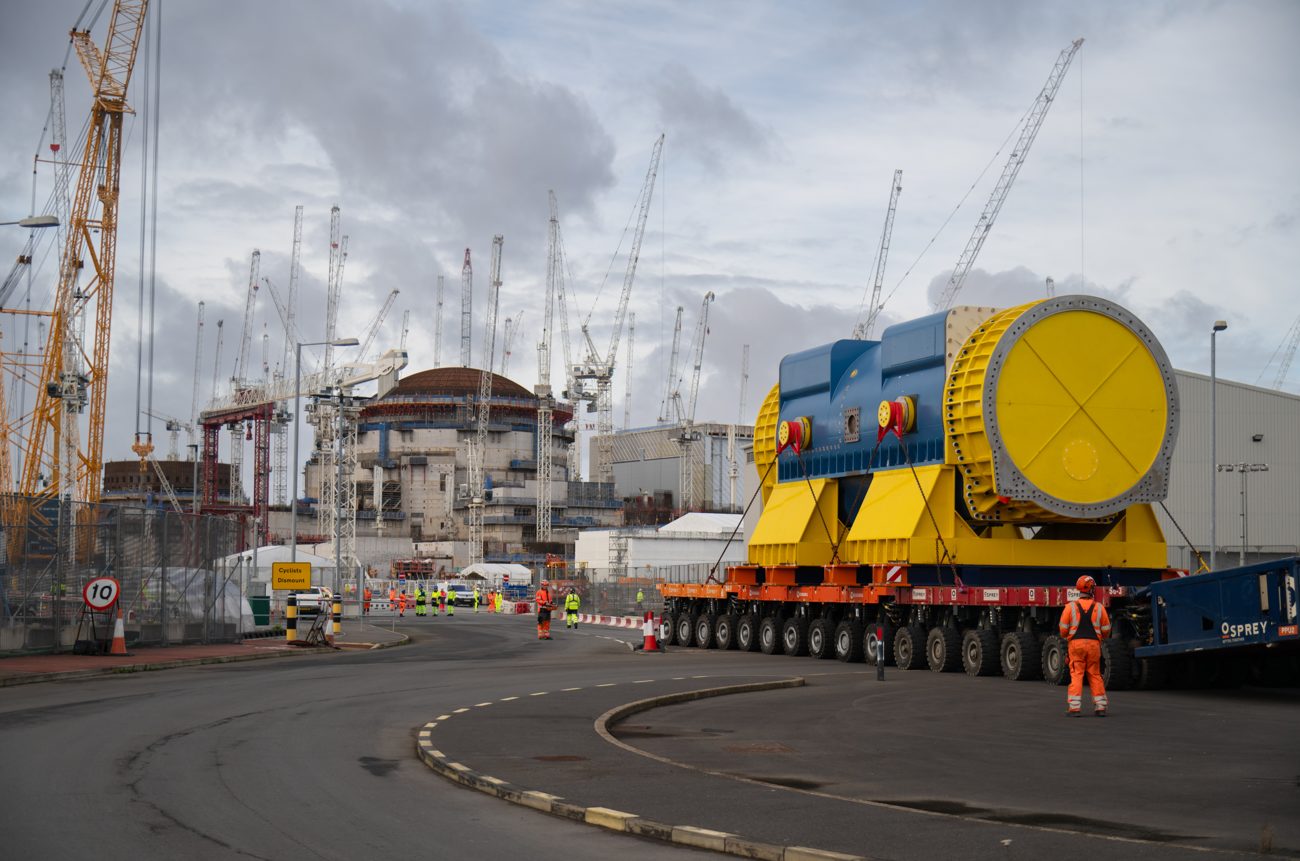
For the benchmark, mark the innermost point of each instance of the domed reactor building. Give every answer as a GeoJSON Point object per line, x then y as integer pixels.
{"type": "Point", "coordinates": [413, 440]}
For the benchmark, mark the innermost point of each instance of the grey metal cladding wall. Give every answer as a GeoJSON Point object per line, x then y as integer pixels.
{"type": "Point", "coordinates": [1273, 497]}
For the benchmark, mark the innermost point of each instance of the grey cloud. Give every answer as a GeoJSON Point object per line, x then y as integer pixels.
{"type": "Point", "coordinates": [704, 121]}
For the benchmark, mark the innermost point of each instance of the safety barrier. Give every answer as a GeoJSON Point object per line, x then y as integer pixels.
{"type": "Point", "coordinates": [291, 619]}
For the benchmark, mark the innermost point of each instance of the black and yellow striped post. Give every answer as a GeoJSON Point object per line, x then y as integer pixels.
{"type": "Point", "coordinates": [338, 615]}
{"type": "Point", "coordinates": [291, 619]}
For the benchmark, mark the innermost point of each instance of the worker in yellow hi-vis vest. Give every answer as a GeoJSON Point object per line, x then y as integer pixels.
{"type": "Point", "coordinates": [451, 600]}
{"type": "Point", "coordinates": [476, 596]}
{"type": "Point", "coordinates": [571, 604]}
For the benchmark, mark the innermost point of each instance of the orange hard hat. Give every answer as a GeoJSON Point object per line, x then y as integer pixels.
{"type": "Point", "coordinates": [1085, 584]}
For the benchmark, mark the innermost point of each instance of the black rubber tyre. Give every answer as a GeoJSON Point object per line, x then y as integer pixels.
{"type": "Point", "coordinates": [979, 652]}
{"type": "Point", "coordinates": [668, 632]}
{"type": "Point", "coordinates": [1116, 664]}
{"type": "Point", "coordinates": [943, 649]}
{"type": "Point", "coordinates": [821, 642]}
{"type": "Point", "coordinates": [848, 641]}
{"type": "Point", "coordinates": [794, 637]}
{"type": "Point", "coordinates": [1151, 674]}
{"type": "Point", "coordinates": [724, 631]}
{"type": "Point", "coordinates": [1021, 657]}
{"type": "Point", "coordinates": [685, 630]}
{"type": "Point", "coordinates": [909, 648]}
{"type": "Point", "coordinates": [1054, 659]}
{"type": "Point", "coordinates": [869, 641]}
{"type": "Point", "coordinates": [769, 635]}
{"type": "Point", "coordinates": [704, 630]}
{"type": "Point", "coordinates": [747, 633]}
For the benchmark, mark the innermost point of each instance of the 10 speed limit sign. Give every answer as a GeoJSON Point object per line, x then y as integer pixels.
{"type": "Point", "coordinates": [101, 593]}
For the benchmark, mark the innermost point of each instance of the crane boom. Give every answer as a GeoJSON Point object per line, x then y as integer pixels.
{"type": "Point", "coordinates": [1033, 122]}
{"type": "Point", "coordinates": [697, 354]}
{"type": "Point", "coordinates": [334, 283]}
{"type": "Point", "coordinates": [295, 270]}
{"type": "Point", "coordinates": [65, 388]}
{"type": "Point", "coordinates": [198, 357]}
{"type": "Point", "coordinates": [647, 192]}
{"type": "Point", "coordinates": [466, 309]}
{"type": "Point", "coordinates": [627, 372]}
{"type": "Point", "coordinates": [246, 337]}
{"type": "Point", "coordinates": [868, 322]}
{"type": "Point", "coordinates": [665, 408]}
{"type": "Point", "coordinates": [437, 324]}
{"type": "Point", "coordinates": [377, 323]}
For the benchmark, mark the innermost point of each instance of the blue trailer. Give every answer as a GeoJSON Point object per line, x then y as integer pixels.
{"type": "Point", "coordinates": [1219, 623]}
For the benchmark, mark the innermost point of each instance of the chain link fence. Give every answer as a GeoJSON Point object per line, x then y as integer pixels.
{"type": "Point", "coordinates": [175, 585]}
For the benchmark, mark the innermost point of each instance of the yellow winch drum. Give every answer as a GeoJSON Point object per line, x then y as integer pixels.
{"type": "Point", "coordinates": [1064, 409]}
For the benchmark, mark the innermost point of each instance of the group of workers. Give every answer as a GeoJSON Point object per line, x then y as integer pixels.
{"type": "Point", "coordinates": [424, 602]}
{"type": "Point", "coordinates": [546, 604]}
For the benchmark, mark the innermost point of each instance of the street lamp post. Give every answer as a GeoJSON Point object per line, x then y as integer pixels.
{"type": "Point", "coordinates": [297, 383]}
{"type": "Point", "coordinates": [1219, 326]}
{"type": "Point", "coordinates": [34, 222]}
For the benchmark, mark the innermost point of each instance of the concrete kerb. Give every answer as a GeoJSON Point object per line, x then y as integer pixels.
{"type": "Point", "coordinates": [128, 669]}
{"type": "Point", "coordinates": [621, 821]}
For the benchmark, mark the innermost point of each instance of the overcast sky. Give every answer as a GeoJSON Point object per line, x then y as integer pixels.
{"type": "Point", "coordinates": [1165, 176]}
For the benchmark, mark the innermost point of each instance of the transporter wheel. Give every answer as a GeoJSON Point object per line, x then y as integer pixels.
{"type": "Point", "coordinates": [1055, 661]}
{"type": "Point", "coordinates": [979, 652]}
{"type": "Point", "coordinates": [848, 641]}
{"type": "Point", "coordinates": [1116, 664]}
{"type": "Point", "coordinates": [909, 647]}
{"type": "Point", "coordinates": [769, 635]}
{"type": "Point", "coordinates": [747, 633]}
{"type": "Point", "coordinates": [870, 643]}
{"type": "Point", "coordinates": [668, 630]}
{"type": "Point", "coordinates": [704, 630]}
{"type": "Point", "coordinates": [724, 631]}
{"type": "Point", "coordinates": [1152, 674]}
{"type": "Point", "coordinates": [820, 641]}
{"type": "Point", "coordinates": [1022, 660]}
{"type": "Point", "coordinates": [685, 629]}
{"type": "Point", "coordinates": [794, 636]}
{"type": "Point", "coordinates": [943, 649]}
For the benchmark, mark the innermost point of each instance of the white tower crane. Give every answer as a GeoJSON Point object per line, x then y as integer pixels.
{"type": "Point", "coordinates": [478, 451]}
{"type": "Point", "coordinates": [599, 371]}
{"type": "Point", "coordinates": [437, 324]}
{"type": "Point", "coordinates": [242, 376]}
{"type": "Point", "coordinates": [1285, 353]}
{"type": "Point", "coordinates": [280, 440]}
{"type": "Point", "coordinates": [507, 344]}
{"type": "Point", "coordinates": [406, 330]}
{"type": "Point", "coordinates": [689, 462]}
{"type": "Point", "coordinates": [867, 316]}
{"type": "Point", "coordinates": [667, 406]}
{"type": "Point", "coordinates": [466, 309]}
{"type": "Point", "coordinates": [198, 357]}
{"type": "Point", "coordinates": [1033, 122]}
{"type": "Point", "coordinates": [545, 399]}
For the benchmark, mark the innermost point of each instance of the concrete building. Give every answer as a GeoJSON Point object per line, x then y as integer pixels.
{"type": "Point", "coordinates": [413, 441]}
{"type": "Point", "coordinates": [647, 464]}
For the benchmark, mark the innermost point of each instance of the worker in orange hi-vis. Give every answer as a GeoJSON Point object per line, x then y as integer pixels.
{"type": "Point", "coordinates": [366, 607]}
{"type": "Point", "coordinates": [1084, 624]}
{"type": "Point", "coordinates": [392, 598]}
{"type": "Point", "coordinates": [401, 604]}
{"type": "Point", "coordinates": [544, 606]}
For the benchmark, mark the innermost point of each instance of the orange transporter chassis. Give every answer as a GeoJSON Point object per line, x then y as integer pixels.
{"type": "Point", "coordinates": [979, 629]}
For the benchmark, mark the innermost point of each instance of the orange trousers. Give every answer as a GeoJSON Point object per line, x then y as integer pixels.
{"type": "Point", "coordinates": [1085, 659]}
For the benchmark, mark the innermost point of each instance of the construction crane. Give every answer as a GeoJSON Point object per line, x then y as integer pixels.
{"type": "Point", "coordinates": [67, 386]}
{"type": "Point", "coordinates": [597, 371]}
{"type": "Point", "coordinates": [377, 323]}
{"type": "Point", "coordinates": [867, 316]}
{"type": "Point", "coordinates": [174, 426]}
{"type": "Point", "coordinates": [1050, 287]}
{"type": "Point", "coordinates": [324, 415]}
{"type": "Point", "coordinates": [216, 360]}
{"type": "Point", "coordinates": [545, 398]}
{"type": "Point", "coordinates": [280, 441]}
{"type": "Point", "coordinates": [437, 325]}
{"type": "Point", "coordinates": [466, 309]}
{"type": "Point", "coordinates": [507, 344]}
{"type": "Point", "coordinates": [1285, 354]}
{"type": "Point", "coordinates": [1033, 122]}
{"type": "Point", "coordinates": [666, 405]}
{"type": "Point", "coordinates": [688, 461]}
{"type": "Point", "coordinates": [241, 377]}
{"type": "Point", "coordinates": [478, 452]}
{"type": "Point", "coordinates": [627, 372]}
{"type": "Point", "coordinates": [406, 330]}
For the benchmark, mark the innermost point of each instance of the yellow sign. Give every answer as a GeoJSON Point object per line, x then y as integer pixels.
{"type": "Point", "coordinates": [290, 575]}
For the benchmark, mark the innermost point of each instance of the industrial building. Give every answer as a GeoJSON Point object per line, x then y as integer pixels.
{"type": "Point", "coordinates": [412, 443]}
{"type": "Point", "coordinates": [648, 467]}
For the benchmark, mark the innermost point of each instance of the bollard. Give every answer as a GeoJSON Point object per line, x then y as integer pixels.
{"type": "Point", "coordinates": [291, 619]}
{"type": "Point", "coordinates": [880, 653]}
{"type": "Point", "coordinates": [338, 615]}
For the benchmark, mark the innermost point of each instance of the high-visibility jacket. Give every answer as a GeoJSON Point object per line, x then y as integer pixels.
{"type": "Point", "coordinates": [543, 599]}
{"type": "Point", "coordinates": [476, 596]}
{"type": "Point", "coordinates": [392, 596]}
{"type": "Point", "coordinates": [451, 596]}
{"type": "Point", "coordinates": [572, 601]}
{"type": "Point", "coordinates": [419, 596]}
{"type": "Point", "coordinates": [640, 596]}
{"type": "Point", "coordinates": [1073, 615]}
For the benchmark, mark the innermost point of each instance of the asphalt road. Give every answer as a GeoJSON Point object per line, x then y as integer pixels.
{"type": "Point", "coordinates": [315, 757]}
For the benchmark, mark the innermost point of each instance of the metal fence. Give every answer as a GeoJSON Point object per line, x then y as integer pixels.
{"type": "Point", "coordinates": [176, 586]}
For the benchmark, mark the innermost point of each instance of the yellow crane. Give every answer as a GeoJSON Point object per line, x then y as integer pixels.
{"type": "Point", "coordinates": [72, 376]}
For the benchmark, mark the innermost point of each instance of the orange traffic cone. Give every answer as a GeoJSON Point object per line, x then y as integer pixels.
{"type": "Point", "coordinates": [648, 629]}
{"type": "Point", "coordinates": [119, 636]}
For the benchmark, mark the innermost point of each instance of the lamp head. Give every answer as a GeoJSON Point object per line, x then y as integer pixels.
{"type": "Point", "coordinates": [1220, 325]}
